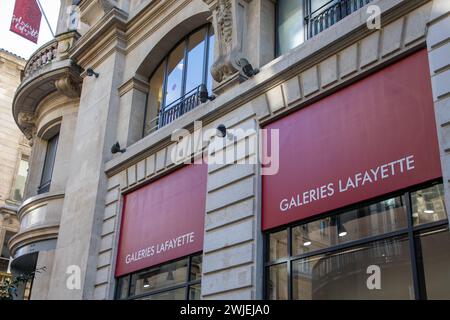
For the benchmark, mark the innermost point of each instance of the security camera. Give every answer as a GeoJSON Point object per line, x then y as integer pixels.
{"type": "Point", "coordinates": [247, 68]}
{"type": "Point", "coordinates": [90, 72]}
{"type": "Point", "coordinates": [222, 132]}
{"type": "Point", "coordinates": [204, 95]}
{"type": "Point", "coordinates": [116, 148]}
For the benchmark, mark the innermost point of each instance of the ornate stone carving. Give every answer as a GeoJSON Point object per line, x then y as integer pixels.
{"type": "Point", "coordinates": [229, 24]}
{"type": "Point", "coordinates": [27, 122]}
{"type": "Point", "coordinates": [68, 87]}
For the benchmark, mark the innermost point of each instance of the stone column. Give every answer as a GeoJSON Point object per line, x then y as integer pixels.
{"type": "Point", "coordinates": [438, 43]}
{"type": "Point", "coordinates": [80, 228]}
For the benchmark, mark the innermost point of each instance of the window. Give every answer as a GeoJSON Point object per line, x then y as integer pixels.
{"type": "Point", "coordinates": [318, 258]}
{"type": "Point", "coordinates": [300, 19]}
{"type": "Point", "coordinates": [174, 86]}
{"type": "Point", "coordinates": [47, 171]}
{"type": "Point", "coordinates": [177, 280]}
{"type": "Point", "coordinates": [21, 178]}
{"type": "Point", "coordinates": [5, 255]}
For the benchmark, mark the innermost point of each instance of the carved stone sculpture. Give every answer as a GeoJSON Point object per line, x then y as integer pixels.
{"type": "Point", "coordinates": [27, 121]}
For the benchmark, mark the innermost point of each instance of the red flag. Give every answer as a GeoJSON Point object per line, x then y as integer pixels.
{"type": "Point", "coordinates": [26, 19]}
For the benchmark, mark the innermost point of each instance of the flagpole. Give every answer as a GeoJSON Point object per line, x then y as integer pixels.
{"type": "Point", "coordinates": [45, 17]}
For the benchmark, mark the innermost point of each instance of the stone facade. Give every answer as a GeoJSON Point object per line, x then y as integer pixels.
{"type": "Point", "coordinates": [123, 41]}
{"type": "Point", "coordinates": [13, 145]}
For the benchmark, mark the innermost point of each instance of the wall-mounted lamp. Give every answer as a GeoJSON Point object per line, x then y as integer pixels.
{"type": "Point", "coordinates": [116, 148]}
{"type": "Point", "coordinates": [90, 72]}
{"type": "Point", "coordinates": [204, 95]}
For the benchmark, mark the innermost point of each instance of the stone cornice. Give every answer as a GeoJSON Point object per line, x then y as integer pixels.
{"type": "Point", "coordinates": [314, 51]}
{"type": "Point", "coordinates": [102, 39]}
{"type": "Point", "coordinates": [34, 235]}
{"type": "Point", "coordinates": [134, 83]}
{"type": "Point", "coordinates": [37, 201]}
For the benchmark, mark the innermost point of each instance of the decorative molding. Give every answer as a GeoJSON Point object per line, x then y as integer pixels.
{"type": "Point", "coordinates": [134, 83]}
{"type": "Point", "coordinates": [68, 86]}
{"type": "Point", "coordinates": [27, 121]}
{"type": "Point", "coordinates": [34, 235]}
{"type": "Point", "coordinates": [229, 20]}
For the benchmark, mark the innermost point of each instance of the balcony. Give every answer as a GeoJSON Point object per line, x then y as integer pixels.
{"type": "Point", "coordinates": [331, 13]}
{"type": "Point", "coordinates": [179, 107]}
{"type": "Point", "coordinates": [48, 70]}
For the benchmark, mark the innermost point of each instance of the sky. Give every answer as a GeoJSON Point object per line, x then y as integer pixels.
{"type": "Point", "coordinates": [21, 46]}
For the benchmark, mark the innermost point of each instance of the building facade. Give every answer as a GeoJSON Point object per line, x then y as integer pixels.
{"type": "Point", "coordinates": [14, 155]}
{"type": "Point", "coordinates": [238, 149]}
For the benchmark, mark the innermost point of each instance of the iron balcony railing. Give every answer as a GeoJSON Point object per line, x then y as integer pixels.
{"type": "Point", "coordinates": [179, 107]}
{"type": "Point", "coordinates": [331, 13]}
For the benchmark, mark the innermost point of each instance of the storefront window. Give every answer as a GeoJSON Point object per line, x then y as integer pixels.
{"type": "Point", "coordinates": [178, 280]}
{"type": "Point", "coordinates": [366, 221]}
{"type": "Point", "coordinates": [428, 205]}
{"type": "Point", "coordinates": [318, 259]}
{"type": "Point", "coordinates": [324, 277]}
{"type": "Point", "coordinates": [436, 261]}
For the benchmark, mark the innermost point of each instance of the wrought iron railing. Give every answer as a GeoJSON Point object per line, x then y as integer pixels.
{"type": "Point", "coordinates": [179, 107]}
{"type": "Point", "coordinates": [331, 13]}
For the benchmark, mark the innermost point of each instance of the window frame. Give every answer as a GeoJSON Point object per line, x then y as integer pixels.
{"type": "Point", "coordinates": [187, 284]}
{"type": "Point", "coordinates": [411, 232]}
{"type": "Point", "coordinates": [44, 186]}
{"type": "Point", "coordinates": [165, 61]}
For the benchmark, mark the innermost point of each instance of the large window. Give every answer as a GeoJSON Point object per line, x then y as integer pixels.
{"type": "Point", "coordinates": [174, 86]}
{"type": "Point", "coordinates": [403, 237]}
{"type": "Point", "coordinates": [177, 280]}
{"type": "Point", "coordinates": [47, 171]}
{"type": "Point", "coordinates": [298, 20]}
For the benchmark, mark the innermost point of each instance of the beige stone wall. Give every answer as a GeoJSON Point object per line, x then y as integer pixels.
{"type": "Point", "coordinates": [13, 145]}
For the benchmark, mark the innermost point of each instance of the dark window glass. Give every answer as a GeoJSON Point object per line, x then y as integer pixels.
{"type": "Point", "coordinates": [290, 25]}
{"type": "Point", "coordinates": [344, 274]}
{"type": "Point", "coordinates": [436, 263]}
{"type": "Point", "coordinates": [428, 205]}
{"type": "Point", "coordinates": [278, 282]}
{"type": "Point", "coordinates": [154, 99]}
{"type": "Point", "coordinates": [160, 277]}
{"type": "Point", "coordinates": [195, 292]}
{"type": "Point", "coordinates": [278, 245]}
{"type": "Point", "coordinates": [167, 281]}
{"type": "Point", "coordinates": [376, 219]}
{"type": "Point", "coordinates": [5, 250]}
{"type": "Point", "coordinates": [196, 268]}
{"type": "Point", "coordinates": [52, 145]}
{"type": "Point", "coordinates": [177, 294]}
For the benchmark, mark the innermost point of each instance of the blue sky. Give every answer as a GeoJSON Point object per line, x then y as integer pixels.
{"type": "Point", "coordinates": [18, 45]}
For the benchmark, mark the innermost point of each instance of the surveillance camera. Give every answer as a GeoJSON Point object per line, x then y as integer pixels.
{"type": "Point", "coordinates": [247, 68]}
{"type": "Point", "coordinates": [116, 148]}
{"type": "Point", "coordinates": [221, 131]}
{"type": "Point", "coordinates": [90, 72]}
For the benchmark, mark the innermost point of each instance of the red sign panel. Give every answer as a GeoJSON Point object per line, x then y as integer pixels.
{"type": "Point", "coordinates": [163, 220]}
{"type": "Point", "coordinates": [371, 138]}
{"type": "Point", "coordinates": [26, 19]}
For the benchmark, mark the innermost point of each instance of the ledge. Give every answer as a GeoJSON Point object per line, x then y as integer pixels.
{"type": "Point", "coordinates": [38, 200]}
{"type": "Point", "coordinates": [31, 236]}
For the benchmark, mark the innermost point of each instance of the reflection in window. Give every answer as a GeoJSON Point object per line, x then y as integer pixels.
{"type": "Point", "coordinates": [366, 221]}
{"type": "Point", "coordinates": [278, 245]}
{"type": "Point", "coordinates": [428, 205]}
{"type": "Point", "coordinates": [21, 178]}
{"type": "Point", "coordinates": [436, 261]}
{"type": "Point", "coordinates": [343, 275]}
{"type": "Point", "coordinates": [278, 280]}
{"type": "Point", "coordinates": [176, 280]}
{"type": "Point", "coordinates": [290, 25]}
{"type": "Point", "coordinates": [184, 69]}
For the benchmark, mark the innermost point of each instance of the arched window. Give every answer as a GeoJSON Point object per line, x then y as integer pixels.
{"type": "Point", "coordinates": [175, 84]}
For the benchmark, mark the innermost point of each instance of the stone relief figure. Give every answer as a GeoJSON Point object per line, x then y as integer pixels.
{"type": "Point", "coordinates": [27, 121]}
{"type": "Point", "coordinates": [229, 50]}
{"type": "Point", "coordinates": [225, 20]}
